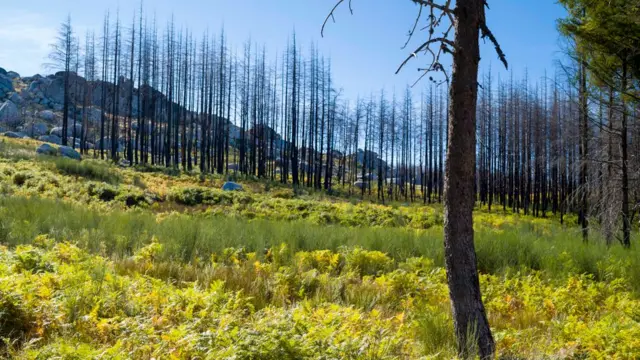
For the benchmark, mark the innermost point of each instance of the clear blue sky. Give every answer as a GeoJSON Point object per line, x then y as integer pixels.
{"type": "Point", "coordinates": [365, 49]}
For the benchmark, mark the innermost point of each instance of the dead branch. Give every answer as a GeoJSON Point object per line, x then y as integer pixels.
{"type": "Point", "coordinates": [413, 29]}
{"type": "Point", "coordinates": [486, 33]}
{"type": "Point", "coordinates": [330, 16]}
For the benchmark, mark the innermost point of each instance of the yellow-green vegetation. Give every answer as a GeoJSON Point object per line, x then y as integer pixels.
{"type": "Point", "coordinates": [104, 262]}
{"type": "Point", "coordinates": [59, 301]}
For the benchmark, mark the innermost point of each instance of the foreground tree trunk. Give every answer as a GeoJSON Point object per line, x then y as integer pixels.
{"type": "Point", "coordinates": [470, 320]}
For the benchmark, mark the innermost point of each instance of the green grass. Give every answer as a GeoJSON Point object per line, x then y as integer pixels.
{"type": "Point", "coordinates": [556, 251]}
{"type": "Point", "coordinates": [89, 169]}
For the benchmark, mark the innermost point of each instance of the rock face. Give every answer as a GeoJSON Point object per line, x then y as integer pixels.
{"type": "Point", "coordinates": [9, 114]}
{"type": "Point", "coordinates": [46, 149]}
{"type": "Point", "coordinates": [231, 186]}
{"type": "Point", "coordinates": [68, 152]}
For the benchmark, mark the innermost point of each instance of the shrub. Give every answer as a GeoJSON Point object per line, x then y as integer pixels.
{"type": "Point", "coordinates": [104, 192]}
{"type": "Point", "coordinates": [20, 178]}
{"type": "Point", "coordinates": [367, 262]}
{"type": "Point", "coordinates": [324, 261]}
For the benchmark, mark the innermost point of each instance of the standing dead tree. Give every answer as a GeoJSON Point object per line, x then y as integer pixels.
{"type": "Point", "coordinates": [467, 21]}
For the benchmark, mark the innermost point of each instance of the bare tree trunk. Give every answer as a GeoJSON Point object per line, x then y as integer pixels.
{"type": "Point", "coordinates": [462, 274]}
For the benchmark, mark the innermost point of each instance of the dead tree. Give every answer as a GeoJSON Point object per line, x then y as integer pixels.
{"type": "Point", "coordinates": [467, 21]}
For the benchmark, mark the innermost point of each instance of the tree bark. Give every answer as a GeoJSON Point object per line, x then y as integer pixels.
{"type": "Point", "coordinates": [462, 274]}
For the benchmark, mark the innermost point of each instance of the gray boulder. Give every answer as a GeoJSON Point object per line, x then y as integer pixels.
{"type": "Point", "coordinates": [58, 130]}
{"type": "Point", "coordinates": [47, 115]}
{"type": "Point", "coordinates": [51, 139]}
{"type": "Point", "coordinates": [55, 90]}
{"type": "Point", "coordinates": [68, 152]}
{"type": "Point", "coordinates": [231, 186]}
{"type": "Point", "coordinates": [9, 114]}
{"type": "Point", "coordinates": [46, 149]}
{"type": "Point", "coordinates": [35, 129]}
{"type": "Point", "coordinates": [13, 75]}
{"type": "Point", "coordinates": [14, 135]}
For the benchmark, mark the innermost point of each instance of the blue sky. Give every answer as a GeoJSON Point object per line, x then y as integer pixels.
{"type": "Point", "coordinates": [365, 48]}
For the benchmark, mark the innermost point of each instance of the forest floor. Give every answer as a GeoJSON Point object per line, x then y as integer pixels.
{"type": "Point", "coordinates": [98, 261]}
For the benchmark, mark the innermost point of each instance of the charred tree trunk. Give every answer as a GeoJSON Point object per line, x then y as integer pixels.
{"type": "Point", "coordinates": [469, 314]}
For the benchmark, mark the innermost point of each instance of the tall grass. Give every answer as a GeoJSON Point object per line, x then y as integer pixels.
{"type": "Point", "coordinates": [187, 237]}
{"type": "Point", "coordinates": [89, 169]}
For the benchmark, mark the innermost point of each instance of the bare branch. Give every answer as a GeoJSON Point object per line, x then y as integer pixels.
{"type": "Point", "coordinates": [415, 24]}
{"type": "Point", "coordinates": [444, 8]}
{"type": "Point", "coordinates": [422, 47]}
{"type": "Point", "coordinates": [330, 16]}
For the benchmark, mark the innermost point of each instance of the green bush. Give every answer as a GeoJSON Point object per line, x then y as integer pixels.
{"type": "Point", "coordinates": [104, 192]}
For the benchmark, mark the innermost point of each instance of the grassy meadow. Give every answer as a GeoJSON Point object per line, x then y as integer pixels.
{"type": "Point", "coordinates": [103, 262]}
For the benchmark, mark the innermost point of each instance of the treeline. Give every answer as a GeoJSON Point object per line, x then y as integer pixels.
{"type": "Point", "coordinates": [552, 146]}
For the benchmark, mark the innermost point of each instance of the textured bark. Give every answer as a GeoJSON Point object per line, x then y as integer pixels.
{"type": "Point", "coordinates": [469, 315]}
{"type": "Point", "coordinates": [626, 223]}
